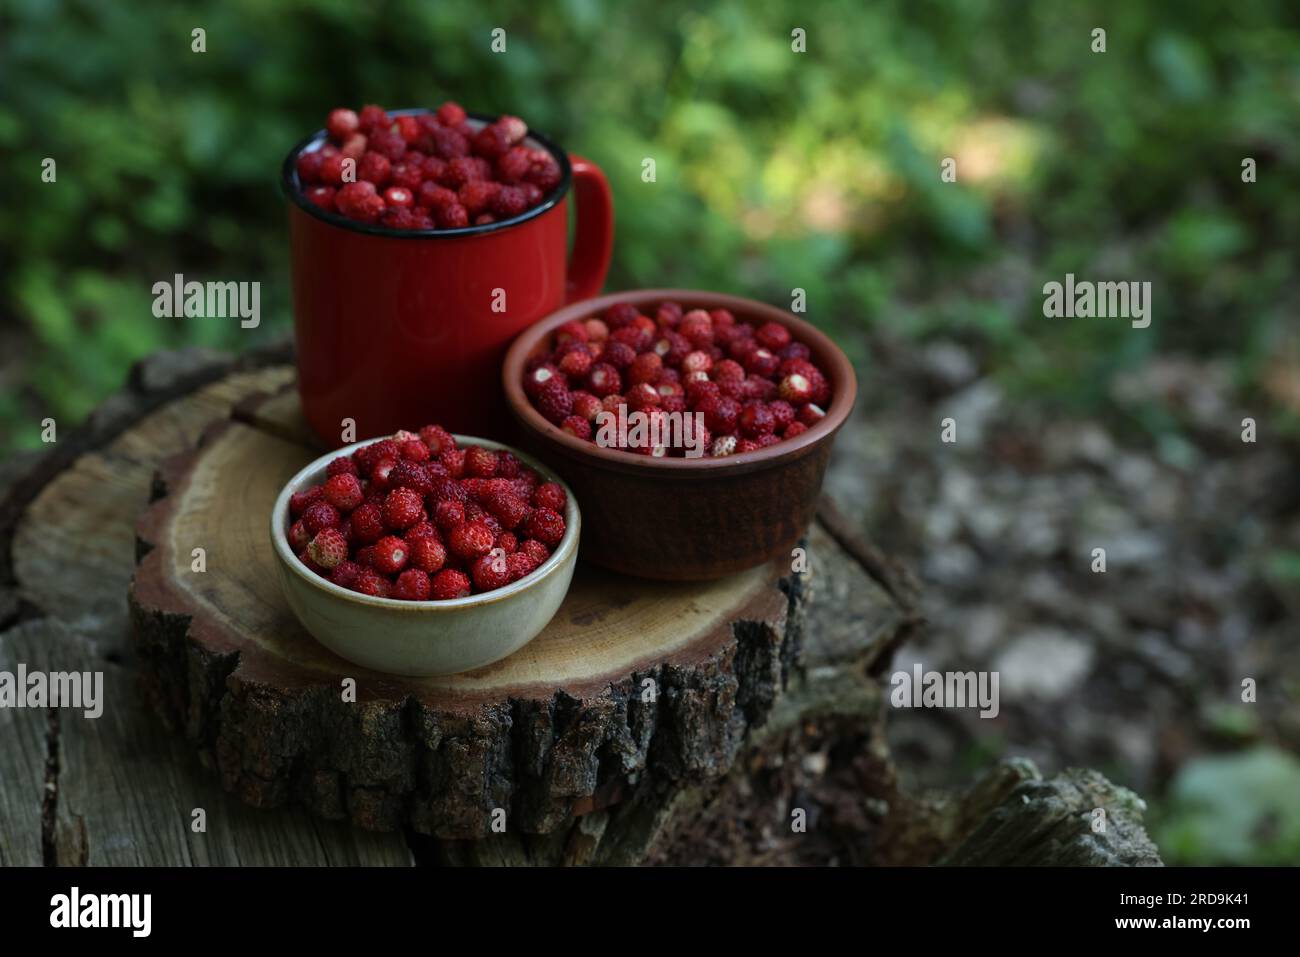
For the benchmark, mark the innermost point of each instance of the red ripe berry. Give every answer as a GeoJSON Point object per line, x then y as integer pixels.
{"type": "Point", "coordinates": [697, 327]}
{"type": "Point", "coordinates": [793, 429]}
{"type": "Point", "coordinates": [428, 554]}
{"type": "Point", "coordinates": [513, 165]}
{"type": "Point", "coordinates": [795, 389]}
{"type": "Point", "coordinates": [412, 585]}
{"type": "Point", "coordinates": [373, 118]}
{"type": "Point", "coordinates": [597, 331]}
{"type": "Point", "coordinates": [491, 141]}
{"type": "Point", "coordinates": [697, 361]}
{"type": "Point", "coordinates": [471, 540]}
{"type": "Point", "coordinates": [571, 331]}
{"type": "Point", "coordinates": [747, 445]}
{"type": "Point", "coordinates": [367, 523]}
{"type": "Point", "coordinates": [544, 173]}
{"type": "Point", "coordinates": [434, 197]}
{"type": "Point", "coordinates": [354, 147]}
{"type": "Point", "coordinates": [811, 414]}
{"type": "Point", "coordinates": [782, 414]}
{"type": "Point", "coordinates": [421, 529]}
{"type": "Point", "coordinates": [555, 402]}
{"type": "Point", "coordinates": [403, 508]}
{"type": "Point", "coordinates": [700, 389]}
{"type": "Point", "coordinates": [320, 515]}
{"type": "Point", "coordinates": [343, 465]}
{"type": "Point", "coordinates": [298, 535]}
{"type": "Point", "coordinates": [535, 550]}
{"type": "Point", "coordinates": [796, 350]}
{"type": "Point", "coordinates": [618, 354]}
{"type": "Point", "coordinates": [507, 542]}
{"type": "Point", "coordinates": [576, 363]}
{"type": "Point", "coordinates": [328, 548]}
{"type": "Point", "coordinates": [322, 196]}
{"type": "Point", "coordinates": [761, 362]}
{"type": "Point", "coordinates": [477, 196]}
{"type": "Point", "coordinates": [668, 315]}
{"type": "Point", "coordinates": [720, 414]}
{"type": "Point", "coordinates": [342, 124]}
{"type": "Point", "coordinates": [642, 397]}
{"type": "Point", "coordinates": [645, 368]}
{"type": "Point", "coordinates": [343, 491]}
{"type": "Point", "coordinates": [345, 574]}
{"type": "Point", "coordinates": [452, 216]}
{"type": "Point", "coordinates": [408, 128]}
{"type": "Point", "coordinates": [604, 380]}
{"type": "Point", "coordinates": [399, 196]}
{"type": "Point", "coordinates": [450, 583]}
{"type": "Point", "coordinates": [437, 438]}
{"type": "Point", "coordinates": [773, 335]}
{"type": "Point", "coordinates": [586, 405]}
{"type": "Point", "coordinates": [506, 507]}
{"type": "Point", "coordinates": [509, 201]}
{"type": "Point", "coordinates": [453, 460]}
{"type": "Point", "coordinates": [491, 571]}
{"type": "Point", "coordinates": [480, 462]}
{"type": "Point", "coordinates": [672, 348]}
{"type": "Point", "coordinates": [370, 582]}
{"type": "Point", "coordinates": [577, 426]}
{"type": "Point", "coordinates": [545, 525]}
{"type": "Point", "coordinates": [621, 314]}
{"type": "Point", "coordinates": [390, 555]}
{"type": "Point", "coordinates": [331, 170]}
{"type": "Point", "coordinates": [299, 501]}
{"type": "Point", "coordinates": [448, 515]}
{"type": "Point", "coordinates": [308, 166]}
{"type": "Point", "coordinates": [374, 167]}
{"type": "Point", "coordinates": [755, 420]}
{"type": "Point", "coordinates": [520, 564]}
{"type": "Point", "coordinates": [550, 495]}
{"type": "Point", "coordinates": [388, 143]}
{"type": "Point", "coordinates": [451, 114]}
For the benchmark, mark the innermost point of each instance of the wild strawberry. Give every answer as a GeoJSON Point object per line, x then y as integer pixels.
{"type": "Point", "coordinates": [697, 390]}
{"type": "Point", "coordinates": [795, 389]}
{"type": "Point", "coordinates": [755, 387]}
{"type": "Point", "coordinates": [437, 439]}
{"type": "Point", "coordinates": [370, 582]}
{"type": "Point", "coordinates": [331, 174]}
{"type": "Point", "coordinates": [510, 201]}
{"type": "Point", "coordinates": [480, 462]}
{"type": "Point", "coordinates": [298, 536]}
{"type": "Point", "coordinates": [491, 571]}
{"type": "Point", "coordinates": [697, 361]}
{"type": "Point", "coordinates": [782, 414]}
{"type": "Point", "coordinates": [551, 495]}
{"type": "Point", "coordinates": [577, 426]}
{"type": "Point", "coordinates": [795, 350]}
{"type": "Point", "coordinates": [322, 196]}
{"type": "Point", "coordinates": [668, 315]}
{"type": "Point", "coordinates": [368, 455]}
{"type": "Point", "coordinates": [412, 585]}
{"type": "Point", "coordinates": [644, 368]}
{"type": "Point", "coordinates": [390, 555]}
{"type": "Point", "coordinates": [448, 515]}
{"type": "Point", "coordinates": [544, 172]}
{"type": "Point", "coordinates": [343, 491]}
{"type": "Point", "coordinates": [372, 118]}
{"type": "Point", "coordinates": [535, 550]}
{"type": "Point", "coordinates": [542, 376]}
{"type": "Point", "coordinates": [508, 508]}
{"type": "Point", "coordinates": [507, 465]}
{"type": "Point", "coordinates": [367, 523]}
{"type": "Point", "coordinates": [721, 317]}
{"type": "Point", "coordinates": [604, 380]}
{"type": "Point", "coordinates": [374, 168]}
{"type": "Point", "coordinates": [585, 405]}
{"type": "Point", "coordinates": [345, 574]}
{"type": "Point", "coordinates": [428, 554]}
{"type": "Point", "coordinates": [343, 465]}
{"type": "Point", "coordinates": [399, 196]}
{"type": "Point", "coordinates": [720, 414]}
{"type": "Point", "coordinates": [299, 501]}
{"type": "Point", "coordinates": [470, 540]}
{"type": "Point", "coordinates": [746, 445]}
{"type": "Point", "coordinates": [755, 420]}
{"type": "Point", "coordinates": [571, 331]}
{"type": "Point", "coordinates": [450, 114]}
{"type": "Point", "coordinates": [697, 327]}
{"type": "Point", "coordinates": [402, 508]}
{"type": "Point", "coordinates": [320, 515]}
{"type": "Point", "coordinates": [642, 397]}
{"type": "Point", "coordinates": [513, 165]}
{"type": "Point", "coordinates": [672, 348]}
{"type": "Point", "coordinates": [576, 363]}
{"type": "Point", "coordinates": [421, 529]}
{"type": "Point", "coordinates": [793, 429]}
{"type": "Point", "coordinates": [449, 583]}
{"type": "Point", "coordinates": [597, 331]}
{"type": "Point", "coordinates": [545, 525]}
{"type": "Point", "coordinates": [308, 166]}
{"type": "Point", "coordinates": [520, 565]}
{"type": "Point", "coordinates": [761, 362]}
{"type": "Point", "coordinates": [555, 402]}
{"type": "Point", "coordinates": [453, 460]}
{"type": "Point", "coordinates": [328, 548]}
{"type": "Point", "coordinates": [773, 336]}
{"type": "Point", "coordinates": [452, 216]}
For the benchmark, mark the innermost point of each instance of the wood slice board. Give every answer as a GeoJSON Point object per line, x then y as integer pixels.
{"type": "Point", "coordinates": [633, 684]}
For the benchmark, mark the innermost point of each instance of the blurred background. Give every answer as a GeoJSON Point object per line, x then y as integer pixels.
{"type": "Point", "coordinates": [821, 171]}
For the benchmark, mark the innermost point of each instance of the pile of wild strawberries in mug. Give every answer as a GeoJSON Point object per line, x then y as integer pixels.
{"type": "Point", "coordinates": [753, 386]}
{"type": "Point", "coordinates": [415, 517]}
{"type": "Point", "coordinates": [426, 171]}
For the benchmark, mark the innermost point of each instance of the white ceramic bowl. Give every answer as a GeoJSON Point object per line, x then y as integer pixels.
{"type": "Point", "coordinates": [422, 638]}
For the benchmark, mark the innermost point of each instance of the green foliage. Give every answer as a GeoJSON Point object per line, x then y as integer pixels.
{"type": "Point", "coordinates": [775, 169]}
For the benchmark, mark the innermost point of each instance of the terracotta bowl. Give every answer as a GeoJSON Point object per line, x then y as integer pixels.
{"type": "Point", "coordinates": [680, 519]}
{"type": "Point", "coordinates": [422, 638]}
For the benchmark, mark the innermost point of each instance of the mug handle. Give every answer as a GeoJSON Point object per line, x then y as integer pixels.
{"type": "Point", "coordinates": [593, 240]}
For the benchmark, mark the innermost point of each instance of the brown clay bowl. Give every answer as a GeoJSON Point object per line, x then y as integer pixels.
{"type": "Point", "coordinates": [684, 519]}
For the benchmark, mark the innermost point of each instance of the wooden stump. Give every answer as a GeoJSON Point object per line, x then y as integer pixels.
{"type": "Point", "coordinates": [635, 685]}
{"type": "Point", "coordinates": [767, 689]}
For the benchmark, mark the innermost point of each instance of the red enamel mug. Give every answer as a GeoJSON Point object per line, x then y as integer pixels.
{"type": "Point", "coordinates": [400, 328]}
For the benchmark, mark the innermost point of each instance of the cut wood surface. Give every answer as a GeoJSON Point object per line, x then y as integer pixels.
{"type": "Point", "coordinates": [752, 678]}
